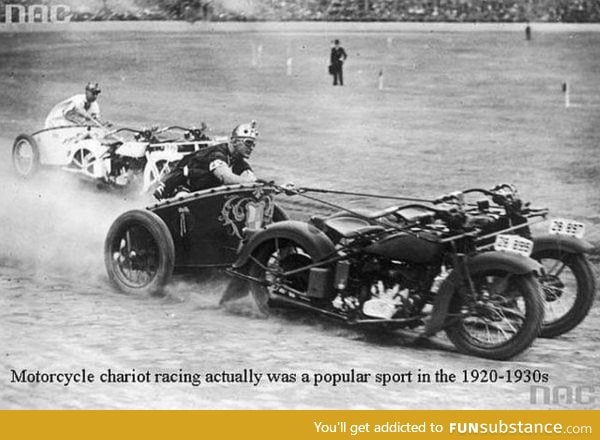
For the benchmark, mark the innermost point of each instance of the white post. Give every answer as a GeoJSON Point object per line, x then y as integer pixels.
{"type": "Point", "coordinates": [381, 79]}
{"type": "Point", "coordinates": [565, 88]}
{"type": "Point", "coordinates": [390, 40]}
{"type": "Point", "coordinates": [253, 54]}
{"type": "Point", "coordinates": [289, 66]}
{"type": "Point", "coordinates": [259, 50]}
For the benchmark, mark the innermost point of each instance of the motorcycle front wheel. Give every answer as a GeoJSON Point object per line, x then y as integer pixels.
{"type": "Point", "coordinates": [569, 289]}
{"type": "Point", "coordinates": [501, 319]}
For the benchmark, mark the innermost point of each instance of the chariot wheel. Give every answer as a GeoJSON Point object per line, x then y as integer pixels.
{"type": "Point", "coordinates": [25, 156]}
{"type": "Point", "coordinates": [139, 253]}
{"type": "Point", "coordinates": [83, 162]}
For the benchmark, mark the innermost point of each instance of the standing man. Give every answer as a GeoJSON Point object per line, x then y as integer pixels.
{"type": "Point", "coordinates": [76, 110]}
{"type": "Point", "coordinates": [338, 56]}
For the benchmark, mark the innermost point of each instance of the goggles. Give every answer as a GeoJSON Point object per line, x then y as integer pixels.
{"type": "Point", "coordinates": [250, 143]}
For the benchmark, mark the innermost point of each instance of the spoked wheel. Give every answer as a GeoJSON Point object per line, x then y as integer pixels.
{"type": "Point", "coordinates": [153, 173]}
{"type": "Point", "coordinates": [83, 162]}
{"type": "Point", "coordinates": [271, 263]}
{"type": "Point", "coordinates": [569, 289]}
{"type": "Point", "coordinates": [503, 318]}
{"type": "Point", "coordinates": [25, 156]}
{"type": "Point", "coordinates": [139, 253]}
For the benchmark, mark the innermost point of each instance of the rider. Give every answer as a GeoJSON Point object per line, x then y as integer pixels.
{"type": "Point", "coordinates": [76, 110]}
{"type": "Point", "coordinates": [222, 164]}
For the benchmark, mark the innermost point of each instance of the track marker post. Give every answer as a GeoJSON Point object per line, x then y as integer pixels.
{"type": "Point", "coordinates": [256, 54]}
{"type": "Point", "coordinates": [289, 66]}
{"type": "Point", "coordinates": [381, 79]}
{"type": "Point", "coordinates": [259, 51]}
{"type": "Point", "coordinates": [253, 54]}
{"type": "Point", "coordinates": [566, 92]}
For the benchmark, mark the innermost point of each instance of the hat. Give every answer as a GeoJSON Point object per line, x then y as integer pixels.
{"type": "Point", "coordinates": [245, 131]}
{"type": "Point", "coordinates": [93, 87]}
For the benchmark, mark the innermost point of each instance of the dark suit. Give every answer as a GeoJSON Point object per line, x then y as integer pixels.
{"type": "Point", "coordinates": [338, 56]}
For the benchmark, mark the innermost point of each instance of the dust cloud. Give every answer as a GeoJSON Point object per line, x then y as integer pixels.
{"type": "Point", "coordinates": [55, 225]}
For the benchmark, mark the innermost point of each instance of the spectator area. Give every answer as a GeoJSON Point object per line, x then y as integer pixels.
{"type": "Point", "coordinates": [470, 11]}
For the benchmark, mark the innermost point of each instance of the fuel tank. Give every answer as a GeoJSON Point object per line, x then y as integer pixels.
{"type": "Point", "coordinates": [407, 247]}
{"type": "Point", "coordinates": [132, 149]}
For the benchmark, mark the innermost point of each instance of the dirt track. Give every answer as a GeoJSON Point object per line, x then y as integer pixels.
{"type": "Point", "coordinates": [59, 314]}
{"type": "Point", "coordinates": [442, 131]}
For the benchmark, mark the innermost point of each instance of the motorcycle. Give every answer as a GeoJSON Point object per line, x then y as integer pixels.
{"type": "Point", "coordinates": [568, 281]}
{"type": "Point", "coordinates": [410, 266]}
{"type": "Point", "coordinates": [109, 158]}
{"type": "Point", "coordinates": [164, 154]}
{"type": "Point", "coordinates": [118, 162]}
{"type": "Point", "coordinates": [148, 155]}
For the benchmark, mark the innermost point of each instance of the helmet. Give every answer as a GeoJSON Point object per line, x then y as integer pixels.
{"type": "Point", "coordinates": [245, 131]}
{"type": "Point", "coordinates": [92, 87]}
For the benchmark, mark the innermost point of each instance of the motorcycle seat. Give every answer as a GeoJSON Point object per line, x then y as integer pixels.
{"type": "Point", "coordinates": [345, 226]}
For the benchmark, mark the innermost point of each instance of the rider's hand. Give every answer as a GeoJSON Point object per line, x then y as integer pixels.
{"type": "Point", "coordinates": [289, 188]}
{"type": "Point", "coordinates": [265, 182]}
{"type": "Point", "coordinates": [453, 197]}
{"type": "Point", "coordinates": [159, 193]}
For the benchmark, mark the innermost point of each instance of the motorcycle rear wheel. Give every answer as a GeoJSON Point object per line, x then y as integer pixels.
{"type": "Point", "coordinates": [569, 289]}
{"type": "Point", "coordinates": [271, 260]}
{"type": "Point", "coordinates": [502, 321]}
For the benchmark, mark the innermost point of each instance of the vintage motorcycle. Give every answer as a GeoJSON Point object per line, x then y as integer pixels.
{"type": "Point", "coordinates": [568, 281]}
{"type": "Point", "coordinates": [407, 266]}
{"type": "Point", "coordinates": [147, 157]}
{"type": "Point", "coordinates": [109, 158]}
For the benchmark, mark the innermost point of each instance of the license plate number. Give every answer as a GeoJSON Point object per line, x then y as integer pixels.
{"type": "Point", "coordinates": [561, 226]}
{"type": "Point", "coordinates": [514, 244]}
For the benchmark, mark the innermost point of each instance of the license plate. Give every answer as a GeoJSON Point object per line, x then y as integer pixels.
{"type": "Point", "coordinates": [561, 226]}
{"type": "Point", "coordinates": [514, 244]}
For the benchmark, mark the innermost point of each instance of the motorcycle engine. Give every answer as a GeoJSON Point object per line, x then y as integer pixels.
{"type": "Point", "coordinates": [386, 289]}
{"type": "Point", "coordinates": [122, 169]}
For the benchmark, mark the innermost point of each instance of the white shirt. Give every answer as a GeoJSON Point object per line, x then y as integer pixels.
{"type": "Point", "coordinates": [76, 105]}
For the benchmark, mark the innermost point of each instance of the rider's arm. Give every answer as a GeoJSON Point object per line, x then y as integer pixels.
{"type": "Point", "coordinates": [225, 174]}
{"type": "Point", "coordinates": [75, 111]}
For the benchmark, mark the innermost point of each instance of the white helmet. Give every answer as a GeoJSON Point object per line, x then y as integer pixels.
{"type": "Point", "coordinates": [245, 131]}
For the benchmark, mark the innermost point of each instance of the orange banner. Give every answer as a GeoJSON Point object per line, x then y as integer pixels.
{"type": "Point", "coordinates": [309, 424]}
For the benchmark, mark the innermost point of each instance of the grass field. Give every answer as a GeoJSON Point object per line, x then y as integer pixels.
{"type": "Point", "coordinates": [458, 108]}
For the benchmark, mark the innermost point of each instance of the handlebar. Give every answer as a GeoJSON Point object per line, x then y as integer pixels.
{"type": "Point", "coordinates": [148, 132]}
{"type": "Point", "coordinates": [486, 192]}
{"type": "Point", "coordinates": [119, 130]}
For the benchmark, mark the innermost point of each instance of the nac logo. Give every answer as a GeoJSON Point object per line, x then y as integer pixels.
{"type": "Point", "coordinates": [14, 13]}
{"type": "Point", "coordinates": [563, 394]}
